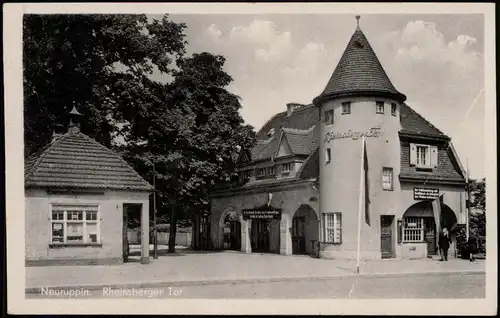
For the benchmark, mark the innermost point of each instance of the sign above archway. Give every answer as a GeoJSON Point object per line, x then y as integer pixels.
{"type": "Point", "coordinates": [265, 212]}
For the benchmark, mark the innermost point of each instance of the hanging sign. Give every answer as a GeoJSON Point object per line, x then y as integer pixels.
{"type": "Point", "coordinates": [261, 214]}
{"type": "Point", "coordinates": [425, 194]}
{"type": "Point", "coordinates": [374, 132]}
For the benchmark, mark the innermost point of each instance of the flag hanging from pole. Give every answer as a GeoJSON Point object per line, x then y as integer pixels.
{"type": "Point", "coordinates": [366, 184]}
{"type": "Point", "coordinates": [436, 208]}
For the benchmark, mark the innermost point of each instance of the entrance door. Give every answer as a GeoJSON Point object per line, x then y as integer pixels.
{"type": "Point", "coordinates": [232, 235]}
{"type": "Point", "coordinates": [386, 235]}
{"type": "Point", "coordinates": [260, 236]}
{"type": "Point", "coordinates": [298, 235]}
{"type": "Point", "coordinates": [430, 236]}
{"type": "Point", "coordinates": [125, 248]}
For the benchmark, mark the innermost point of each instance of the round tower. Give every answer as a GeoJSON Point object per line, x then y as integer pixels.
{"type": "Point", "coordinates": [358, 101]}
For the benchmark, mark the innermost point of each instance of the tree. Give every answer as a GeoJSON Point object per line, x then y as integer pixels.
{"type": "Point", "coordinates": [477, 218]}
{"type": "Point", "coordinates": [195, 134]}
{"type": "Point", "coordinates": [99, 63]}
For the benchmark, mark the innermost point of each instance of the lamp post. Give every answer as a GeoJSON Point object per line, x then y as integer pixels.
{"type": "Point", "coordinates": [155, 232]}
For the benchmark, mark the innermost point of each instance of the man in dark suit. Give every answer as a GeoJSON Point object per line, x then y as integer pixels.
{"type": "Point", "coordinates": [444, 244]}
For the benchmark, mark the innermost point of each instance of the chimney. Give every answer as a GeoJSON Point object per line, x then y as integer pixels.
{"type": "Point", "coordinates": [57, 132]}
{"type": "Point", "coordinates": [290, 107]}
{"type": "Point", "coordinates": [74, 121]}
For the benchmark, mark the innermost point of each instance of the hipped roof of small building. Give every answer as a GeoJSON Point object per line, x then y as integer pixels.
{"type": "Point", "coordinates": [75, 161]}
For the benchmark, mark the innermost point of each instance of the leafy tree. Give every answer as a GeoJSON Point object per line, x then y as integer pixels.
{"type": "Point", "coordinates": [195, 134]}
{"type": "Point", "coordinates": [477, 218]}
{"type": "Point", "coordinates": [99, 63]}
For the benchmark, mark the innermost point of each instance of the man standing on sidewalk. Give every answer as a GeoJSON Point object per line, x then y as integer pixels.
{"type": "Point", "coordinates": [444, 244]}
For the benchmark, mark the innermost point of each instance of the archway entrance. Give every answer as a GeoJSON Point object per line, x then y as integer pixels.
{"type": "Point", "coordinates": [304, 230]}
{"type": "Point", "coordinates": [232, 232]}
{"type": "Point", "coordinates": [419, 224]}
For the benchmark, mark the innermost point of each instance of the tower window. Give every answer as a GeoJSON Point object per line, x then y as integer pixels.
{"type": "Point", "coordinates": [393, 109]}
{"type": "Point", "coordinates": [329, 117]}
{"type": "Point", "coordinates": [346, 108]}
{"type": "Point", "coordinates": [387, 179]}
{"type": "Point", "coordinates": [380, 107]}
{"type": "Point", "coordinates": [328, 155]}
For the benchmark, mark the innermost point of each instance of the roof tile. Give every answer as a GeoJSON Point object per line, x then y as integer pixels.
{"type": "Point", "coordinates": [76, 161]}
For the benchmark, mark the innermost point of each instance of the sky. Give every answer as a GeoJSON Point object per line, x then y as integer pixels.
{"type": "Point", "coordinates": [437, 61]}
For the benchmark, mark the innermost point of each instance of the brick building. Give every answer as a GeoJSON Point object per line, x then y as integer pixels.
{"type": "Point", "coordinates": [301, 181]}
{"type": "Point", "coordinates": [78, 195]}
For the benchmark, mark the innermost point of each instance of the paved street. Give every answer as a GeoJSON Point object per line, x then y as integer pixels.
{"type": "Point", "coordinates": [435, 286]}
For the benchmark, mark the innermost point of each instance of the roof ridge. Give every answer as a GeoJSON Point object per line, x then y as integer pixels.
{"type": "Point", "coordinates": [283, 113]}
{"type": "Point", "coordinates": [41, 154]}
{"type": "Point", "coordinates": [120, 158]}
{"type": "Point", "coordinates": [423, 118]}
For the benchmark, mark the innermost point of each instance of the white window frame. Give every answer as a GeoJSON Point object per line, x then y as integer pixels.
{"type": "Point", "coordinates": [346, 108]}
{"type": "Point", "coordinates": [387, 185]}
{"type": "Point", "coordinates": [329, 117]}
{"type": "Point", "coordinates": [394, 109]}
{"type": "Point", "coordinates": [332, 222]}
{"type": "Point", "coordinates": [380, 107]}
{"type": "Point", "coordinates": [286, 167]}
{"type": "Point", "coordinates": [413, 229]}
{"type": "Point", "coordinates": [83, 208]}
{"type": "Point", "coordinates": [418, 162]}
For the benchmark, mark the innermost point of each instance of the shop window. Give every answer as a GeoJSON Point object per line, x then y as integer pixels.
{"type": "Point", "coordinates": [328, 155]}
{"type": "Point", "coordinates": [379, 106]}
{"type": "Point", "coordinates": [423, 156]}
{"type": "Point", "coordinates": [287, 167]}
{"type": "Point", "coordinates": [346, 108]}
{"type": "Point", "coordinates": [413, 229]}
{"type": "Point", "coordinates": [393, 109]}
{"type": "Point", "coordinates": [332, 227]}
{"type": "Point", "coordinates": [387, 179]}
{"type": "Point", "coordinates": [329, 117]}
{"type": "Point", "coordinates": [74, 224]}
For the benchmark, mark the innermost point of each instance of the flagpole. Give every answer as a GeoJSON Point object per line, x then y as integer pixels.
{"type": "Point", "coordinates": [360, 202]}
{"type": "Point", "coordinates": [467, 206]}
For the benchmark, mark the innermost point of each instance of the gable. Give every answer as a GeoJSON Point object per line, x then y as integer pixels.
{"type": "Point", "coordinates": [284, 147]}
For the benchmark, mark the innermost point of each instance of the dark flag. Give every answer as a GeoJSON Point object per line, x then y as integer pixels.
{"type": "Point", "coordinates": [367, 184]}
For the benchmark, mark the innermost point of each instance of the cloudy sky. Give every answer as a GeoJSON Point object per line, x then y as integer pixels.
{"type": "Point", "coordinates": [436, 60]}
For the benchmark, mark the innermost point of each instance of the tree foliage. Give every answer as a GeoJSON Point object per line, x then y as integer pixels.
{"type": "Point", "coordinates": [99, 63]}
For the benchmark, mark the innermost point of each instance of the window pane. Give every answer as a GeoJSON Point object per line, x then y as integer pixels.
{"type": "Point", "coordinates": [57, 232]}
{"type": "Point", "coordinates": [92, 232]}
{"type": "Point", "coordinates": [57, 215]}
{"type": "Point", "coordinates": [75, 232]}
{"type": "Point", "coordinates": [91, 215]}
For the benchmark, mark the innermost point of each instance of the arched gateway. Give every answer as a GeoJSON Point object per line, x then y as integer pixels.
{"type": "Point", "coordinates": [419, 225]}
{"type": "Point", "coordinates": [230, 230]}
{"type": "Point", "coordinates": [304, 231]}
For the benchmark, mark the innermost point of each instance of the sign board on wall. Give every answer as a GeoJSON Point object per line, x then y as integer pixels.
{"type": "Point", "coordinates": [425, 194]}
{"type": "Point", "coordinates": [261, 214]}
{"type": "Point", "coordinates": [374, 132]}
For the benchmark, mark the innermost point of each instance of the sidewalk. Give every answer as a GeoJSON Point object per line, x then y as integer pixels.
{"type": "Point", "coordinates": [199, 268]}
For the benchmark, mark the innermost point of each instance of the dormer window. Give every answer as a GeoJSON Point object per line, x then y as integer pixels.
{"type": "Point", "coordinates": [379, 106]}
{"type": "Point", "coordinates": [261, 172]}
{"type": "Point", "coordinates": [270, 133]}
{"type": "Point", "coordinates": [287, 167]}
{"type": "Point", "coordinates": [423, 156]}
{"type": "Point", "coordinates": [270, 171]}
{"type": "Point", "coordinates": [346, 108]}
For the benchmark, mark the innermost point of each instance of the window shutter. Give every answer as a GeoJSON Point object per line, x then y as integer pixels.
{"type": "Point", "coordinates": [413, 154]}
{"type": "Point", "coordinates": [434, 156]}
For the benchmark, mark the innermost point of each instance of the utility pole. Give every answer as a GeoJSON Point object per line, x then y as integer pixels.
{"type": "Point", "coordinates": [467, 201]}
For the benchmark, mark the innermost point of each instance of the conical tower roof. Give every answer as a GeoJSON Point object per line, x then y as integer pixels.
{"type": "Point", "coordinates": [359, 73]}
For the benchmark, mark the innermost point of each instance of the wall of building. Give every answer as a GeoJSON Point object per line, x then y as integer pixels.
{"type": "Point", "coordinates": [341, 177]}
{"type": "Point", "coordinates": [289, 200]}
{"type": "Point", "coordinates": [38, 227]}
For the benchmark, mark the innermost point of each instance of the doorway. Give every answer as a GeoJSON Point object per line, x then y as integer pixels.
{"type": "Point", "coordinates": [386, 238]}
{"type": "Point", "coordinates": [430, 236]}
{"type": "Point", "coordinates": [132, 232]}
{"type": "Point", "coordinates": [298, 236]}
{"type": "Point", "coordinates": [260, 234]}
{"type": "Point", "coordinates": [232, 233]}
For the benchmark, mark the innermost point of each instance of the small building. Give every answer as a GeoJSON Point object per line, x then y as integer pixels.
{"type": "Point", "coordinates": [302, 179]}
{"type": "Point", "coordinates": [77, 197]}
